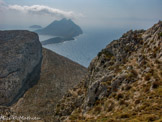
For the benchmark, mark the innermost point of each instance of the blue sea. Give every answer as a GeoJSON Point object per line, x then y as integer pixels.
{"type": "Point", "coordinates": [86, 46]}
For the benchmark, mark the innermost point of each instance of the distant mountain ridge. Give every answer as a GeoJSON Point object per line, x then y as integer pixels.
{"type": "Point", "coordinates": [63, 28]}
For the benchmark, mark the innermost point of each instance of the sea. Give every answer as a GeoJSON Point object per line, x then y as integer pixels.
{"type": "Point", "coordinates": [86, 46]}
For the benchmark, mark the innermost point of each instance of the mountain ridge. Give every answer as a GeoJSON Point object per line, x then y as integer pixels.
{"type": "Point", "coordinates": [124, 82]}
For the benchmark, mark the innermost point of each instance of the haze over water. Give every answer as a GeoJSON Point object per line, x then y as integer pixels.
{"type": "Point", "coordinates": [86, 46]}
{"type": "Point", "coordinates": [101, 20]}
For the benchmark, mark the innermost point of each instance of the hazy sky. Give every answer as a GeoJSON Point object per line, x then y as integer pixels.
{"type": "Point", "coordinates": [86, 13]}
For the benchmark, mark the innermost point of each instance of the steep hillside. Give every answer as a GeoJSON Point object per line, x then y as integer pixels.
{"type": "Point", "coordinates": [58, 74]}
{"type": "Point", "coordinates": [124, 82]}
{"type": "Point", "coordinates": [20, 64]}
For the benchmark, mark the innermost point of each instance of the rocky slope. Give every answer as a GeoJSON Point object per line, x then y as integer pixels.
{"type": "Point", "coordinates": [20, 64]}
{"type": "Point", "coordinates": [124, 82]}
{"type": "Point", "coordinates": [58, 74]}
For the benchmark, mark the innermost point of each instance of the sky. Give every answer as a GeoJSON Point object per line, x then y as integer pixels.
{"type": "Point", "coordinates": [86, 13]}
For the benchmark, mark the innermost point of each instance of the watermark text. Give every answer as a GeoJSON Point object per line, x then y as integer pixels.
{"type": "Point", "coordinates": [12, 117]}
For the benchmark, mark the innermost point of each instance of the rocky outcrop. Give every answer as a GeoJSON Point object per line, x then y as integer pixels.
{"type": "Point", "coordinates": [58, 75]}
{"type": "Point", "coordinates": [105, 66]}
{"type": "Point", "coordinates": [25, 65]}
{"type": "Point", "coordinates": [20, 64]}
{"type": "Point", "coordinates": [123, 83]}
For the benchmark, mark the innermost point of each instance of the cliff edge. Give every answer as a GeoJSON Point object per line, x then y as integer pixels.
{"type": "Point", "coordinates": [58, 75]}
{"type": "Point", "coordinates": [20, 64]}
{"type": "Point", "coordinates": [21, 68]}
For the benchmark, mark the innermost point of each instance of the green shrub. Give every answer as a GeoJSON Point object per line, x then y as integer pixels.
{"type": "Point", "coordinates": [121, 102]}
{"type": "Point", "coordinates": [119, 96]}
{"type": "Point", "coordinates": [155, 84]}
{"type": "Point", "coordinates": [107, 53]}
{"type": "Point", "coordinates": [137, 101]}
{"type": "Point", "coordinates": [128, 87]}
{"type": "Point", "coordinates": [125, 115]}
{"type": "Point", "coordinates": [148, 76]}
{"type": "Point", "coordinates": [97, 109]}
{"type": "Point", "coordinates": [160, 34]}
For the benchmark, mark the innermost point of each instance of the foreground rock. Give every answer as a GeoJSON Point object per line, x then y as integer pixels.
{"type": "Point", "coordinates": [20, 64]}
{"type": "Point", "coordinates": [58, 74]}
{"type": "Point", "coordinates": [124, 82]}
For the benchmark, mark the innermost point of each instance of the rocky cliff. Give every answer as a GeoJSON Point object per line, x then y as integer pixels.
{"type": "Point", "coordinates": [20, 64]}
{"type": "Point", "coordinates": [124, 82]}
{"type": "Point", "coordinates": [58, 74]}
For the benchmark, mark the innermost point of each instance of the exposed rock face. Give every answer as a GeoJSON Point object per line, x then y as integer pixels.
{"type": "Point", "coordinates": [103, 67]}
{"type": "Point", "coordinates": [58, 74]}
{"type": "Point", "coordinates": [106, 65]}
{"type": "Point", "coordinates": [20, 64]}
{"type": "Point", "coordinates": [124, 82]}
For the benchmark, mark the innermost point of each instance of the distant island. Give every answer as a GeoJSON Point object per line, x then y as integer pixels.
{"type": "Point", "coordinates": [65, 29]}
{"type": "Point", "coordinates": [35, 26]}
{"type": "Point", "coordinates": [56, 40]}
